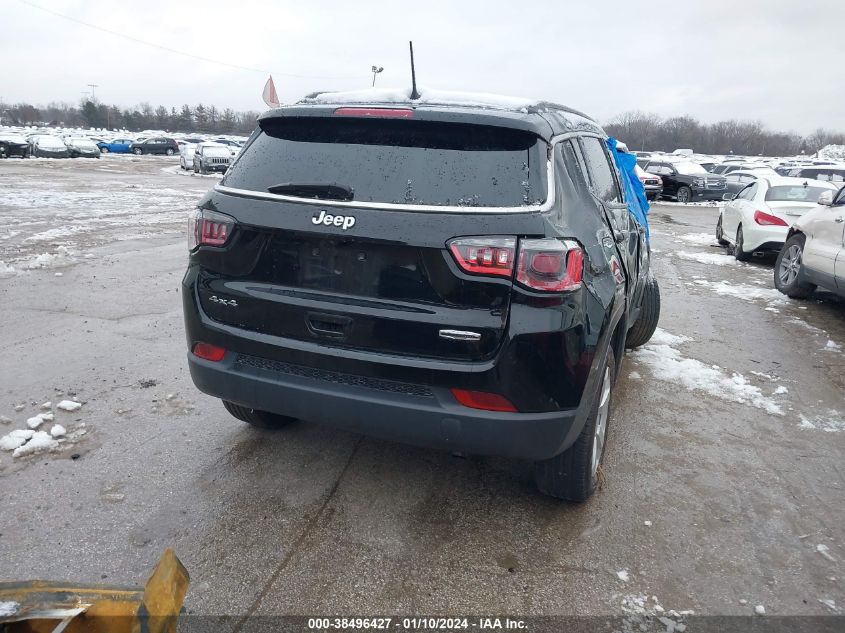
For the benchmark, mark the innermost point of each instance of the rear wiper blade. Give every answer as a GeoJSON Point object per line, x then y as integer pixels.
{"type": "Point", "coordinates": [321, 191]}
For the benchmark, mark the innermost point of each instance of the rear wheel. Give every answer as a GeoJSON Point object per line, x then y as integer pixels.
{"type": "Point", "coordinates": [104, 150]}
{"type": "Point", "coordinates": [169, 151]}
{"type": "Point", "coordinates": [788, 269]}
{"type": "Point", "coordinates": [645, 325]}
{"type": "Point", "coordinates": [720, 238]}
{"type": "Point", "coordinates": [684, 194]}
{"type": "Point", "coordinates": [739, 247]}
{"type": "Point", "coordinates": [259, 419]}
{"type": "Point", "coordinates": [138, 151]}
{"type": "Point", "coordinates": [574, 474]}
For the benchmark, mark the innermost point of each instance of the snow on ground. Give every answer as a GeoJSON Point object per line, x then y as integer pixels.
{"type": "Point", "coordinates": [832, 346]}
{"type": "Point", "coordinates": [68, 405]}
{"type": "Point", "coordinates": [52, 212]}
{"type": "Point", "coordinates": [831, 422]}
{"type": "Point", "coordinates": [662, 337]}
{"type": "Point", "coordinates": [38, 443]}
{"type": "Point", "coordinates": [8, 608]}
{"type": "Point", "coordinates": [670, 365]}
{"type": "Point", "coordinates": [716, 259]}
{"type": "Point", "coordinates": [700, 239]}
{"type": "Point", "coordinates": [744, 292]}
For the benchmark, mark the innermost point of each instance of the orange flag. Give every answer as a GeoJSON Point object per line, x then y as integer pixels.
{"type": "Point", "coordinates": [269, 95]}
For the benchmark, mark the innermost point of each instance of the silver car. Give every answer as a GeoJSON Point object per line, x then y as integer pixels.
{"type": "Point", "coordinates": [210, 157]}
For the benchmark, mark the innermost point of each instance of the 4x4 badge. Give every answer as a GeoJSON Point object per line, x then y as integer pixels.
{"type": "Point", "coordinates": [327, 219]}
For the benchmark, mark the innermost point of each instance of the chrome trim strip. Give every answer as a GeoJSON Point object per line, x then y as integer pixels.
{"type": "Point", "coordinates": [389, 206]}
{"type": "Point", "coordinates": [460, 335]}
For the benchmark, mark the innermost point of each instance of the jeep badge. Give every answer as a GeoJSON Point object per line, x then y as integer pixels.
{"type": "Point", "coordinates": [343, 221]}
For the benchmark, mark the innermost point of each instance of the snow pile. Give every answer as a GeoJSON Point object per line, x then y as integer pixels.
{"type": "Point", "coordinates": [701, 239]}
{"type": "Point", "coordinates": [8, 608]}
{"type": "Point", "coordinates": [427, 96]}
{"type": "Point", "coordinates": [16, 438]}
{"type": "Point", "coordinates": [669, 365]}
{"type": "Point", "coordinates": [832, 346]}
{"type": "Point", "coordinates": [62, 257]}
{"type": "Point", "coordinates": [662, 337]}
{"type": "Point", "coordinates": [68, 405]}
{"type": "Point", "coordinates": [36, 421]}
{"type": "Point", "coordinates": [831, 423]}
{"type": "Point", "coordinates": [623, 575]}
{"type": "Point", "coordinates": [6, 270]}
{"type": "Point", "coordinates": [832, 152]}
{"type": "Point", "coordinates": [707, 258]}
{"type": "Point", "coordinates": [643, 611]}
{"type": "Point", "coordinates": [58, 431]}
{"type": "Point", "coordinates": [746, 293]}
{"type": "Point", "coordinates": [38, 443]}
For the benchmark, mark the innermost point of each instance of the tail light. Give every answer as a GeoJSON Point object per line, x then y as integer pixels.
{"type": "Point", "coordinates": [208, 228]}
{"type": "Point", "coordinates": [485, 255]}
{"type": "Point", "coordinates": [766, 219]}
{"type": "Point", "coordinates": [483, 400]}
{"type": "Point", "coordinates": [550, 265]}
{"type": "Point", "coordinates": [209, 352]}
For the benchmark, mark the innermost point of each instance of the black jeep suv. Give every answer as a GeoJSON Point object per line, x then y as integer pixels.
{"type": "Point", "coordinates": [463, 277]}
{"type": "Point", "coordinates": [688, 182]}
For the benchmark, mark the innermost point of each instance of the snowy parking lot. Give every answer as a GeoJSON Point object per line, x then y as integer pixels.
{"type": "Point", "coordinates": [723, 493]}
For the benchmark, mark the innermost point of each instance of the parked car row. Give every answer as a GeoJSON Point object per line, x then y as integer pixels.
{"type": "Point", "coordinates": [800, 219]}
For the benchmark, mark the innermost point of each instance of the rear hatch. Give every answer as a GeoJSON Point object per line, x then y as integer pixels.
{"type": "Point", "coordinates": [790, 202]}
{"type": "Point", "coordinates": [344, 224]}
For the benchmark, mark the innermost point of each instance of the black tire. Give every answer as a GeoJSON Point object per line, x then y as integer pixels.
{"type": "Point", "coordinates": [104, 150]}
{"type": "Point", "coordinates": [571, 475]}
{"type": "Point", "coordinates": [645, 325]}
{"type": "Point", "coordinates": [259, 419]}
{"type": "Point", "coordinates": [719, 235]}
{"type": "Point", "coordinates": [684, 194]}
{"type": "Point", "coordinates": [791, 284]}
{"type": "Point", "coordinates": [170, 151]}
{"type": "Point", "coordinates": [137, 151]}
{"type": "Point", "coordinates": [739, 246]}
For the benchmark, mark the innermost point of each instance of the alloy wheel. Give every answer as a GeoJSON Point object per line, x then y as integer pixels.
{"type": "Point", "coordinates": [790, 265]}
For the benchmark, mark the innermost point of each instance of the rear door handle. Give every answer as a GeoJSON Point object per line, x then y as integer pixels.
{"type": "Point", "coordinates": [328, 325]}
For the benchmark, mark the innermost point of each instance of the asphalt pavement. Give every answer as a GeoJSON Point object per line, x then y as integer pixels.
{"type": "Point", "coordinates": [723, 481]}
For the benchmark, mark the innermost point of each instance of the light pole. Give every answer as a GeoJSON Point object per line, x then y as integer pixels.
{"type": "Point", "coordinates": [92, 86]}
{"type": "Point", "coordinates": [376, 70]}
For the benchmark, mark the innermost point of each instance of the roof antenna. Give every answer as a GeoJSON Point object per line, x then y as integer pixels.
{"type": "Point", "coordinates": [414, 94]}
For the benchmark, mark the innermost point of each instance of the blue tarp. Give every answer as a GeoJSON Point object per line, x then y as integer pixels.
{"type": "Point", "coordinates": [634, 190]}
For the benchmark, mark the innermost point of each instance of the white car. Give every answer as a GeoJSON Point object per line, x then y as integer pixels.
{"type": "Point", "coordinates": [186, 155]}
{"type": "Point", "coordinates": [759, 216]}
{"type": "Point", "coordinates": [814, 253]}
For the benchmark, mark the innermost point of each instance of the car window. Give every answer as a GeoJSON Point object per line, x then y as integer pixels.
{"type": "Point", "coordinates": [398, 161]}
{"type": "Point", "coordinates": [840, 198]}
{"type": "Point", "coordinates": [743, 195]}
{"type": "Point", "coordinates": [602, 180]}
{"type": "Point", "coordinates": [794, 193]}
{"type": "Point", "coordinates": [732, 178]}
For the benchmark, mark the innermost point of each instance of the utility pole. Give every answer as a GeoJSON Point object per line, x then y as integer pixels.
{"type": "Point", "coordinates": [92, 86]}
{"type": "Point", "coordinates": [376, 70]}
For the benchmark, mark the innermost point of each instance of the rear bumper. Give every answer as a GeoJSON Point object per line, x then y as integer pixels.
{"type": "Point", "coordinates": [758, 237]}
{"type": "Point", "coordinates": [411, 414]}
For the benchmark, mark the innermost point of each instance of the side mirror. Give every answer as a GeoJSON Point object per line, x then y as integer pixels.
{"type": "Point", "coordinates": [727, 197]}
{"type": "Point", "coordinates": [826, 199]}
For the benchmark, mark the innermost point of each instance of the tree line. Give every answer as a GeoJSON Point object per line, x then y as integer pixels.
{"type": "Point", "coordinates": [644, 130]}
{"type": "Point", "coordinates": [93, 114]}
{"type": "Point", "coordinates": [639, 130]}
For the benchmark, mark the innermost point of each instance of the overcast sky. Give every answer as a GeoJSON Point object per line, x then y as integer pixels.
{"type": "Point", "coordinates": [777, 61]}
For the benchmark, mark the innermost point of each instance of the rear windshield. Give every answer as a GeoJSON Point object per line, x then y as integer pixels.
{"type": "Point", "coordinates": [829, 175]}
{"type": "Point", "coordinates": [794, 193]}
{"type": "Point", "coordinates": [397, 161]}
